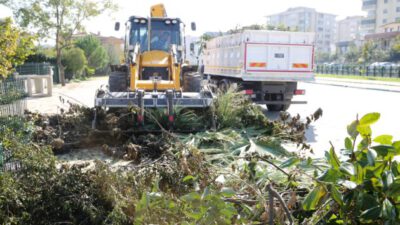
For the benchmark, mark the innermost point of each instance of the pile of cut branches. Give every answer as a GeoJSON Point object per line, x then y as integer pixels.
{"type": "Point", "coordinates": [225, 175]}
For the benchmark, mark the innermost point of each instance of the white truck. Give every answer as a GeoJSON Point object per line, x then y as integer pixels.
{"type": "Point", "coordinates": [265, 64]}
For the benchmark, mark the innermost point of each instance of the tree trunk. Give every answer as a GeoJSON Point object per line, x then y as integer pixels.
{"type": "Point", "coordinates": [60, 68]}
{"type": "Point", "coordinates": [61, 74]}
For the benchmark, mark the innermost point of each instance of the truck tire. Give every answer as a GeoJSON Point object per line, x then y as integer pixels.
{"type": "Point", "coordinates": [277, 108]}
{"type": "Point", "coordinates": [192, 82]}
{"type": "Point", "coordinates": [223, 85]}
{"type": "Point", "coordinates": [117, 81]}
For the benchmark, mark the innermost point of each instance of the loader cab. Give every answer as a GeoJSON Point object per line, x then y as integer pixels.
{"type": "Point", "coordinates": [155, 34]}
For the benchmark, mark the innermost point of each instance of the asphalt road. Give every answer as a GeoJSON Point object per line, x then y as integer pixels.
{"type": "Point", "coordinates": [341, 102]}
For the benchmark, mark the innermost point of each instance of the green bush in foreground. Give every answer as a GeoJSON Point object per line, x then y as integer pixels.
{"type": "Point", "coordinates": [363, 186]}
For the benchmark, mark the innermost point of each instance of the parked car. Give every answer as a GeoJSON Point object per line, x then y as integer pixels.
{"type": "Point", "coordinates": [386, 65]}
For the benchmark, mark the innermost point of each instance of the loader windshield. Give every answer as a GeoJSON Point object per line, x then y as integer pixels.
{"type": "Point", "coordinates": [164, 33]}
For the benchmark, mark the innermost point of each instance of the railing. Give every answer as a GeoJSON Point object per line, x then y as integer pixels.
{"type": "Point", "coordinates": [38, 69]}
{"type": "Point", "coordinates": [356, 70]}
{"type": "Point", "coordinates": [12, 94]}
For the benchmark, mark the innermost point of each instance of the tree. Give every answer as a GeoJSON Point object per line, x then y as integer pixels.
{"type": "Point", "coordinates": [115, 54]}
{"type": "Point", "coordinates": [74, 61]}
{"type": "Point", "coordinates": [371, 52]}
{"type": "Point", "coordinates": [395, 50]}
{"type": "Point", "coordinates": [95, 53]}
{"type": "Point", "coordinates": [322, 57]}
{"type": "Point", "coordinates": [58, 18]}
{"type": "Point", "coordinates": [353, 54]}
{"type": "Point", "coordinates": [15, 46]}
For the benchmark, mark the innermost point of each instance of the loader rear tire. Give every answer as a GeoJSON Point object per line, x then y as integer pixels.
{"type": "Point", "coordinates": [192, 82]}
{"type": "Point", "coordinates": [117, 81]}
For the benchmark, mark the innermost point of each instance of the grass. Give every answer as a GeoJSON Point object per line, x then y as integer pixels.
{"type": "Point", "coordinates": [356, 77]}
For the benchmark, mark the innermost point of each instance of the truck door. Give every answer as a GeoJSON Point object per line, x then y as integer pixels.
{"type": "Point", "coordinates": [278, 57]}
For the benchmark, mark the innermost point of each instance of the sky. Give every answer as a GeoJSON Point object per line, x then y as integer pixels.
{"type": "Point", "coordinates": [218, 15]}
{"type": "Point", "coordinates": [213, 15]}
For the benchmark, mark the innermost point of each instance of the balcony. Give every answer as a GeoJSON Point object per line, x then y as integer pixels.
{"type": "Point", "coordinates": [368, 4]}
{"type": "Point", "coordinates": [368, 23]}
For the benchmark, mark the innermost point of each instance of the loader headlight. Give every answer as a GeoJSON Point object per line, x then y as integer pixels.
{"type": "Point", "coordinates": [174, 21]}
{"type": "Point", "coordinates": [143, 21]}
{"type": "Point", "coordinates": [136, 20]}
{"type": "Point", "coordinates": [168, 22]}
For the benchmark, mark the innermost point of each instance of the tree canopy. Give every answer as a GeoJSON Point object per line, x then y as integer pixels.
{"type": "Point", "coordinates": [95, 53]}
{"type": "Point", "coordinates": [15, 46]}
{"type": "Point", "coordinates": [58, 19]}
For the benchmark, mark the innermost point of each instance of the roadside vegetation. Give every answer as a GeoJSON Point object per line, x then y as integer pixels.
{"type": "Point", "coordinates": [225, 175]}
{"type": "Point", "coordinates": [355, 77]}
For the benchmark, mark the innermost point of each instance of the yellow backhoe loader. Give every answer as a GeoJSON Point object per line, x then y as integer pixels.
{"type": "Point", "coordinates": [154, 74]}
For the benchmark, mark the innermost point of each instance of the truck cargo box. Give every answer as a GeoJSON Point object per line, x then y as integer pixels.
{"type": "Point", "coordinates": [261, 55]}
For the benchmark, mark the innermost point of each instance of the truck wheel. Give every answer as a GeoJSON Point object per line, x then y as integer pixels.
{"type": "Point", "coordinates": [277, 108]}
{"type": "Point", "coordinates": [192, 82]}
{"type": "Point", "coordinates": [117, 81]}
{"type": "Point", "coordinates": [223, 85]}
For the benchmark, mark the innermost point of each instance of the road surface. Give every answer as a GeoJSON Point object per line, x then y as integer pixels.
{"type": "Point", "coordinates": [341, 102]}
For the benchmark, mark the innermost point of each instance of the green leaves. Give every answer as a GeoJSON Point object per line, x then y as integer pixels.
{"type": "Point", "coordinates": [336, 195]}
{"type": "Point", "coordinates": [15, 46]}
{"type": "Point", "coordinates": [348, 144]}
{"type": "Point", "coordinates": [313, 199]}
{"type": "Point", "coordinates": [371, 214]}
{"type": "Point", "coordinates": [369, 119]}
{"type": "Point", "coordinates": [364, 124]}
{"type": "Point", "coordinates": [332, 158]}
{"type": "Point", "coordinates": [388, 210]}
{"type": "Point", "coordinates": [347, 168]}
{"type": "Point", "coordinates": [384, 139]}
{"type": "Point", "coordinates": [352, 129]}
{"type": "Point", "coordinates": [290, 162]}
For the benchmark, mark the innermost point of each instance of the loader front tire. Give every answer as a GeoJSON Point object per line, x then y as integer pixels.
{"type": "Point", "coordinates": [117, 81]}
{"type": "Point", "coordinates": [192, 82]}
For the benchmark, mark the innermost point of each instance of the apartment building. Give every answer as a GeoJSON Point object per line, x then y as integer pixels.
{"type": "Point", "coordinates": [379, 13]}
{"type": "Point", "coordinates": [349, 33]}
{"type": "Point", "coordinates": [309, 20]}
{"type": "Point", "coordinates": [387, 37]}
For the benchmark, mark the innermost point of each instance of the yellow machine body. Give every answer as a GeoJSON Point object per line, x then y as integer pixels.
{"type": "Point", "coordinates": [157, 59]}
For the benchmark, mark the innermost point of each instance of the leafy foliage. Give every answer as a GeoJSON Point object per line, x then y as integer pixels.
{"type": "Point", "coordinates": [75, 61]}
{"type": "Point", "coordinates": [361, 187]}
{"type": "Point", "coordinates": [95, 53]}
{"type": "Point", "coordinates": [15, 46]}
{"type": "Point", "coordinates": [61, 18]}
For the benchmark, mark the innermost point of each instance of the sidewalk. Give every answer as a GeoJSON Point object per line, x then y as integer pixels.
{"type": "Point", "coordinates": [361, 84]}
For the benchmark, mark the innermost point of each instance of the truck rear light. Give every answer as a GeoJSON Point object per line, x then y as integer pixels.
{"type": "Point", "coordinates": [299, 92]}
{"type": "Point", "coordinates": [248, 92]}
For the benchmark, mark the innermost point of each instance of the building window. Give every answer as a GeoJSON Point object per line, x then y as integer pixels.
{"type": "Point", "coordinates": [385, 11]}
{"type": "Point", "coordinates": [386, 1]}
{"type": "Point", "coordinates": [397, 9]}
{"type": "Point", "coordinates": [384, 21]}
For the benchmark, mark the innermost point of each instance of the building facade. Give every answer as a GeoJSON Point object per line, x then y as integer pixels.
{"type": "Point", "coordinates": [379, 13]}
{"type": "Point", "coordinates": [309, 20]}
{"type": "Point", "coordinates": [349, 33]}
{"type": "Point", "coordinates": [387, 37]}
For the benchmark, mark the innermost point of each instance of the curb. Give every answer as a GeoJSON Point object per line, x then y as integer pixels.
{"type": "Point", "coordinates": [354, 81]}
{"type": "Point", "coordinates": [355, 86]}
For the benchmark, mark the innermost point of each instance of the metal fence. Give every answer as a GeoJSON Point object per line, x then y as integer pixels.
{"type": "Point", "coordinates": [12, 94]}
{"type": "Point", "coordinates": [38, 69]}
{"type": "Point", "coordinates": [7, 162]}
{"type": "Point", "coordinates": [373, 71]}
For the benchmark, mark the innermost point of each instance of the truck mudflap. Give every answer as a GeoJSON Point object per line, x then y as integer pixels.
{"type": "Point", "coordinates": [144, 99]}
